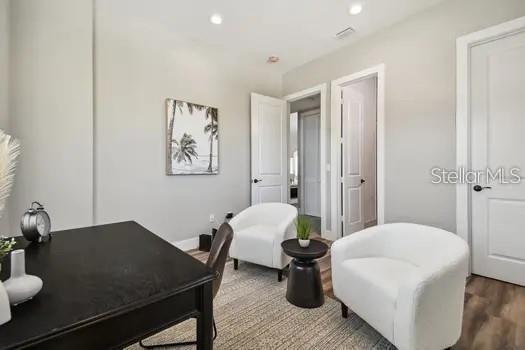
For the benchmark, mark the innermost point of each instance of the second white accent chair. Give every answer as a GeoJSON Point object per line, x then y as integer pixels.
{"type": "Point", "coordinates": [258, 233]}
{"type": "Point", "coordinates": [406, 280]}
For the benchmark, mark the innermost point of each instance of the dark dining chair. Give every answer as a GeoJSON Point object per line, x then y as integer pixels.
{"type": "Point", "coordinates": [216, 261]}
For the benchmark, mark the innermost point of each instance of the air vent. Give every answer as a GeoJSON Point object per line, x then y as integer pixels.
{"type": "Point", "coordinates": [345, 32]}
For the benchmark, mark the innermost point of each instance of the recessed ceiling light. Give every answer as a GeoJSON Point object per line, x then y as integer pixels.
{"type": "Point", "coordinates": [216, 18]}
{"type": "Point", "coordinates": [356, 9]}
{"type": "Point", "coordinates": [273, 59]}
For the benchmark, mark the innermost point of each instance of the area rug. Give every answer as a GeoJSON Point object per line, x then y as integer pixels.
{"type": "Point", "coordinates": [252, 312]}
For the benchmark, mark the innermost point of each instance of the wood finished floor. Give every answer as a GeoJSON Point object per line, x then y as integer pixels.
{"type": "Point", "coordinates": [493, 318]}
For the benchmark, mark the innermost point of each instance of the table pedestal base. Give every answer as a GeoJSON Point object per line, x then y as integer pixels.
{"type": "Point", "coordinates": [305, 288]}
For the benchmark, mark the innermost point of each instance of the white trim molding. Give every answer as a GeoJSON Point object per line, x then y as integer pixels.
{"type": "Point", "coordinates": [336, 88]}
{"type": "Point", "coordinates": [322, 90]}
{"type": "Point", "coordinates": [187, 244]}
{"type": "Point", "coordinates": [463, 119]}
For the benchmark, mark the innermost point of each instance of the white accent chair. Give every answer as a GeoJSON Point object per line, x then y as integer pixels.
{"type": "Point", "coordinates": [405, 280]}
{"type": "Point", "coordinates": [258, 232]}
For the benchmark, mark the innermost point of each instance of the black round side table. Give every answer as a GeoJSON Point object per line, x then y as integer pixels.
{"type": "Point", "coordinates": [304, 288]}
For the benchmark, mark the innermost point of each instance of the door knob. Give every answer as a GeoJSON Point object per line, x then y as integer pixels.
{"type": "Point", "coordinates": [257, 180]}
{"type": "Point", "coordinates": [363, 181]}
{"type": "Point", "coordinates": [479, 188]}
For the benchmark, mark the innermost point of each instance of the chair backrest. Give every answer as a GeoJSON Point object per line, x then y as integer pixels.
{"type": "Point", "coordinates": [265, 214]}
{"type": "Point", "coordinates": [219, 254]}
{"type": "Point", "coordinates": [421, 245]}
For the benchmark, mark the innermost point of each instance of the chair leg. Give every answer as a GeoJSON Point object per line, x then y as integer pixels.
{"type": "Point", "coordinates": [235, 264]}
{"type": "Point", "coordinates": [344, 310]}
{"type": "Point", "coordinates": [280, 275]}
{"type": "Point", "coordinates": [186, 343]}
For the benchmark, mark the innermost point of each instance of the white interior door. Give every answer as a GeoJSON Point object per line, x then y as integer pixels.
{"type": "Point", "coordinates": [310, 154]}
{"type": "Point", "coordinates": [268, 149]}
{"type": "Point", "coordinates": [352, 160]}
{"type": "Point", "coordinates": [498, 122]}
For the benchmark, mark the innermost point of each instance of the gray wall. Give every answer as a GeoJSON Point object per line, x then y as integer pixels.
{"type": "Point", "coordinates": [420, 55]}
{"type": "Point", "coordinates": [50, 108]}
{"type": "Point", "coordinates": [108, 164]}
{"type": "Point", "coordinates": [4, 81]}
{"type": "Point", "coordinates": [4, 62]}
{"type": "Point", "coordinates": [138, 65]}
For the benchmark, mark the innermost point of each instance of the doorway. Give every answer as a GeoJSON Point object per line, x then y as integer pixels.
{"type": "Point", "coordinates": [357, 152]}
{"type": "Point", "coordinates": [304, 153]}
{"type": "Point", "coordinates": [491, 211]}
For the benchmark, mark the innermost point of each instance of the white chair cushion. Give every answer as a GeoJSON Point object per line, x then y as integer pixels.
{"type": "Point", "coordinates": [254, 244]}
{"type": "Point", "coordinates": [374, 290]}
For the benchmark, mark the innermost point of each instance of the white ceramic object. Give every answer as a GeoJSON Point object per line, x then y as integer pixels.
{"type": "Point", "coordinates": [21, 287]}
{"type": "Point", "coordinates": [304, 243]}
{"type": "Point", "coordinates": [5, 309]}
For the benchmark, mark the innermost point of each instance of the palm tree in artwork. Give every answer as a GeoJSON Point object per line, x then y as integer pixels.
{"type": "Point", "coordinates": [179, 145]}
{"type": "Point", "coordinates": [185, 149]}
{"type": "Point", "coordinates": [211, 128]}
{"type": "Point", "coordinates": [171, 105]}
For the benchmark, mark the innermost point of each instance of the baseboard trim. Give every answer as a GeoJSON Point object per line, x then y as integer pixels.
{"type": "Point", "coordinates": [187, 244]}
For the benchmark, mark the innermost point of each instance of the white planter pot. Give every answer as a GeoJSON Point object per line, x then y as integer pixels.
{"type": "Point", "coordinates": [304, 243]}
{"type": "Point", "coordinates": [21, 287]}
{"type": "Point", "coordinates": [5, 308]}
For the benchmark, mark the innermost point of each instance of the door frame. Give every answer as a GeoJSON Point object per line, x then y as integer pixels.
{"type": "Point", "coordinates": [322, 90]}
{"type": "Point", "coordinates": [463, 119]}
{"type": "Point", "coordinates": [337, 85]}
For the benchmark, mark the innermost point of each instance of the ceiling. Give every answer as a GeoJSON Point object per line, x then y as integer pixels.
{"type": "Point", "coordinates": [297, 31]}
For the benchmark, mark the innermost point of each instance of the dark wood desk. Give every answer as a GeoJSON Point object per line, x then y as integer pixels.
{"type": "Point", "coordinates": [106, 287]}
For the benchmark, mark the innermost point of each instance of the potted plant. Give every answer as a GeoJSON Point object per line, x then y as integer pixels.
{"type": "Point", "coordinates": [304, 228]}
{"type": "Point", "coordinates": [6, 245]}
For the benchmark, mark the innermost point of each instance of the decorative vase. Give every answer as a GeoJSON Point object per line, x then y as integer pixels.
{"type": "Point", "coordinates": [21, 287]}
{"type": "Point", "coordinates": [5, 309]}
{"type": "Point", "coordinates": [304, 243]}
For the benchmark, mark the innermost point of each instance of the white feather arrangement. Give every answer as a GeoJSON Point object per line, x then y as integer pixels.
{"type": "Point", "coordinates": [9, 152]}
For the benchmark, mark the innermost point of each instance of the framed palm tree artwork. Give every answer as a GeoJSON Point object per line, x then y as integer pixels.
{"type": "Point", "coordinates": [192, 138]}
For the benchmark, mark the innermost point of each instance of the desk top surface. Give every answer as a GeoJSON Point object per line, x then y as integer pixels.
{"type": "Point", "coordinates": [94, 272]}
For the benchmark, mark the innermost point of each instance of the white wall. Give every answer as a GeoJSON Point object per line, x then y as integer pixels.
{"type": "Point", "coordinates": [4, 81]}
{"type": "Point", "coordinates": [138, 65]}
{"type": "Point", "coordinates": [50, 108]}
{"type": "Point", "coordinates": [420, 55]}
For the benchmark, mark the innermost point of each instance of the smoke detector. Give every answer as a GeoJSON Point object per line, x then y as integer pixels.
{"type": "Point", "coordinates": [272, 59]}
{"type": "Point", "coordinates": [345, 32]}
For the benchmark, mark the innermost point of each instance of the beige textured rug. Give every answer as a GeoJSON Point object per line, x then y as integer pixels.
{"type": "Point", "coordinates": [251, 312]}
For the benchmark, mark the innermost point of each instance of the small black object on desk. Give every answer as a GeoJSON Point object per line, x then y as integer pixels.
{"type": "Point", "coordinates": [305, 288]}
{"type": "Point", "coordinates": [106, 287]}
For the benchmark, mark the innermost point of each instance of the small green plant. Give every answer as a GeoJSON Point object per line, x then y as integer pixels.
{"type": "Point", "coordinates": [303, 227]}
{"type": "Point", "coordinates": [6, 245]}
